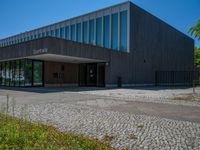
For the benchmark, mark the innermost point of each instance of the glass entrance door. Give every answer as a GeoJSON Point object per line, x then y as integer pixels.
{"type": "Point", "coordinates": [88, 74]}
{"type": "Point", "coordinates": [91, 74]}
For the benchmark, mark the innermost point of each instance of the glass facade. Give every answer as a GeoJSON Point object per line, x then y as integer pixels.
{"type": "Point", "coordinates": [91, 32]}
{"type": "Point", "coordinates": [57, 33]}
{"type": "Point", "coordinates": [24, 72]}
{"type": "Point", "coordinates": [67, 32]}
{"type": "Point", "coordinates": [62, 33]}
{"type": "Point", "coordinates": [99, 31]}
{"type": "Point", "coordinates": [47, 33]}
{"type": "Point", "coordinates": [73, 32]}
{"type": "Point", "coordinates": [123, 30]}
{"type": "Point", "coordinates": [28, 72]}
{"type": "Point", "coordinates": [115, 25]}
{"type": "Point", "coordinates": [85, 32]}
{"type": "Point", "coordinates": [52, 32]}
{"type": "Point", "coordinates": [109, 31]}
{"type": "Point", "coordinates": [106, 32]}
{"type": "Point", "coordinates": [79, 32]}
{"type": "Point", "coordinates": [37, 73]}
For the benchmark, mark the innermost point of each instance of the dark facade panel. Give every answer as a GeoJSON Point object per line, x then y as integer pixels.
{"type": "Point", "coordinates": [156, 46]}
{"type": "Point", "coordinates": [60, 74]}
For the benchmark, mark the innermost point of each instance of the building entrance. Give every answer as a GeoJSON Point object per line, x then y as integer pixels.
{"type": "Point", "coordinates": [92, 74]}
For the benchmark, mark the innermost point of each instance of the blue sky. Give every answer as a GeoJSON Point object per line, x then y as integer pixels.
{"type": "Point", "coordinates": [23, 15]}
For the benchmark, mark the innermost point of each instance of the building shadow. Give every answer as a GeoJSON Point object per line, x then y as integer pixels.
{"type": "Point", "coordinates": [85, 89]}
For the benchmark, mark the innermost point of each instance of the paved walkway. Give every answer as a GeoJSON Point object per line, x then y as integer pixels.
{"type": "Point", "coordinates": [132, 123]}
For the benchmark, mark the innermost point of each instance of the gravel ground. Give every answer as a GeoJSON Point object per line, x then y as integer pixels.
{"type": "Point", "coordinates": [88, 113]}
{"type": "Point", "coordinates": [126, 130]}
{"type": "Point", "coordinates": [155, 95]}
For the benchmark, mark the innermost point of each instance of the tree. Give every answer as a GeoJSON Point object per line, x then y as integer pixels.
{"type": "Point", "coordinates": [195, 31]}
{"type": "Point", "coordinates": [197, 58]}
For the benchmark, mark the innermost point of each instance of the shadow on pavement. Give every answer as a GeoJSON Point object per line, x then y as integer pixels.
{"type": "Point", "coordinates": [82, 89]}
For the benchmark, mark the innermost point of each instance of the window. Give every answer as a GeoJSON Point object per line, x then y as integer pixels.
{"type": "Point", "coordinates": [0, 73]}
{"type": "Point", "coordinates": [85, 32]}
{"type": "Point", "coordinates": [28, 72]}
{"type": "Point", "coordinates": [21, 73]}
{"type": "Point", "coordinates": [47, 33]}
{"type": "Point", "coordinates": [17, 73]}
{"type": "Point", "coordinates": [43, 34]}
{"type": "Point", "coordinates": [115, 31]}
{"type": "Point", "coordinates": [7, 71]}
{"type": "Point", "coordinates": [3, 73]}
{"type": "Point", "coordinates": [91, 30]}
{"type": "Point", "coordinates": [39, 35]}
{"type": "Point", "coordinates": [37, 73]}
{"type": "Point", "coordinates": [123, 30]}
{"type": "Point", "coordinates": [57, 33]}
{"type": "Point", "coordinates": [79, 34]}
{"type": "Point", "coordinates": [12, 73]}
{"type": "Point", "coordinates": [67, 32]}
{"type": "Point", "coordinates": [73, 32]}
{"type": "Point", "coordinates": [62, 33]}
{"type": "Point", "coordinates": [99, 31]}
{"type": "Point", "coordinates": [107, 31]}
{"type": "Point", "coordinates": [52, 32]}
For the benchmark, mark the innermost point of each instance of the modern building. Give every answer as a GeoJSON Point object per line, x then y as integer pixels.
{"type": "Point", "coordinates": [119, 45]}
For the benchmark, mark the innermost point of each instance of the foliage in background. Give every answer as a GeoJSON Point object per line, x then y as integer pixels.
{"type": "Point", "coordinates": [197, 58]}
{"type": "Point", "coordinates": [195, 30]}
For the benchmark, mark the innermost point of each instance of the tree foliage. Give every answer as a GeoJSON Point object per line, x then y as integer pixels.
{"type": "Point", "coordinates": [195, 30]}
{"type": "Point", "coordinates": [197, 58]}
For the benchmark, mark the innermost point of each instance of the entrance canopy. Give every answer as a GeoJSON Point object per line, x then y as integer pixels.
{"type": "Point", "coordinates": [66, 59]}
{"type": "Point", "coordinates": [55, 49]}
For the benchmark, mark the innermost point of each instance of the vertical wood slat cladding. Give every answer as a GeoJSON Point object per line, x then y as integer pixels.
{"type": "Point", "coordinates": [70, 72]}
{"type": "Point", "coordinates": [157, 46]}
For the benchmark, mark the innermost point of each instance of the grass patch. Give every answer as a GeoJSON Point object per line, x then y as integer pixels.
{"type": "Point", "coordinates": [188, 97]}
{"type": "Point", "coordinates": [23, 135]}
{"type": "Point", "coordinates": [140, 126]}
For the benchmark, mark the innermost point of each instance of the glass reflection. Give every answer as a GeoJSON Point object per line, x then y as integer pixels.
{"type": "Point", "coordinates": [67, 32]}
{"type": "Point", "coordinates": [37, 73]}
{"type": "Point", "coordinates": [107, 31]}
{"type": "Point", "coordinates": [28, 72]}
{"type": "Point", "coordinates": [73, 32]}
{"type": "Point", "coordinates": [123, 31]}
{"type": "Point", "coordinates": [79, 34]}
{"type": "Point", "coordinates": [99, 31]}
{"type": "Point", "coordinates": [85, 32]}
{"type": "Point", "coordinates": [115, 31]}
{"type": "Point", "coordinates": [91, 30]}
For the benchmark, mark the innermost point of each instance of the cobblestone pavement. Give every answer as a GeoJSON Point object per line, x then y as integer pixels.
{"type": "Point", "coordinates": [128, 123]}
{"type": "Point", "coordinates": [127, 130]}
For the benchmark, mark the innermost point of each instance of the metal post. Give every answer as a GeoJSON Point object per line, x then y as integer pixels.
{"type": "Point", "coordinates": [193, 86]}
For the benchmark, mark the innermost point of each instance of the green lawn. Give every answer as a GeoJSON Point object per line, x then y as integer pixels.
{"type": "Point", "coordinates": [16, 134]}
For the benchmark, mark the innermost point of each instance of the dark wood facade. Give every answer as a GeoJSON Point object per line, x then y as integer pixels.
{"type": "Point", "coordinates": [154, 46]}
